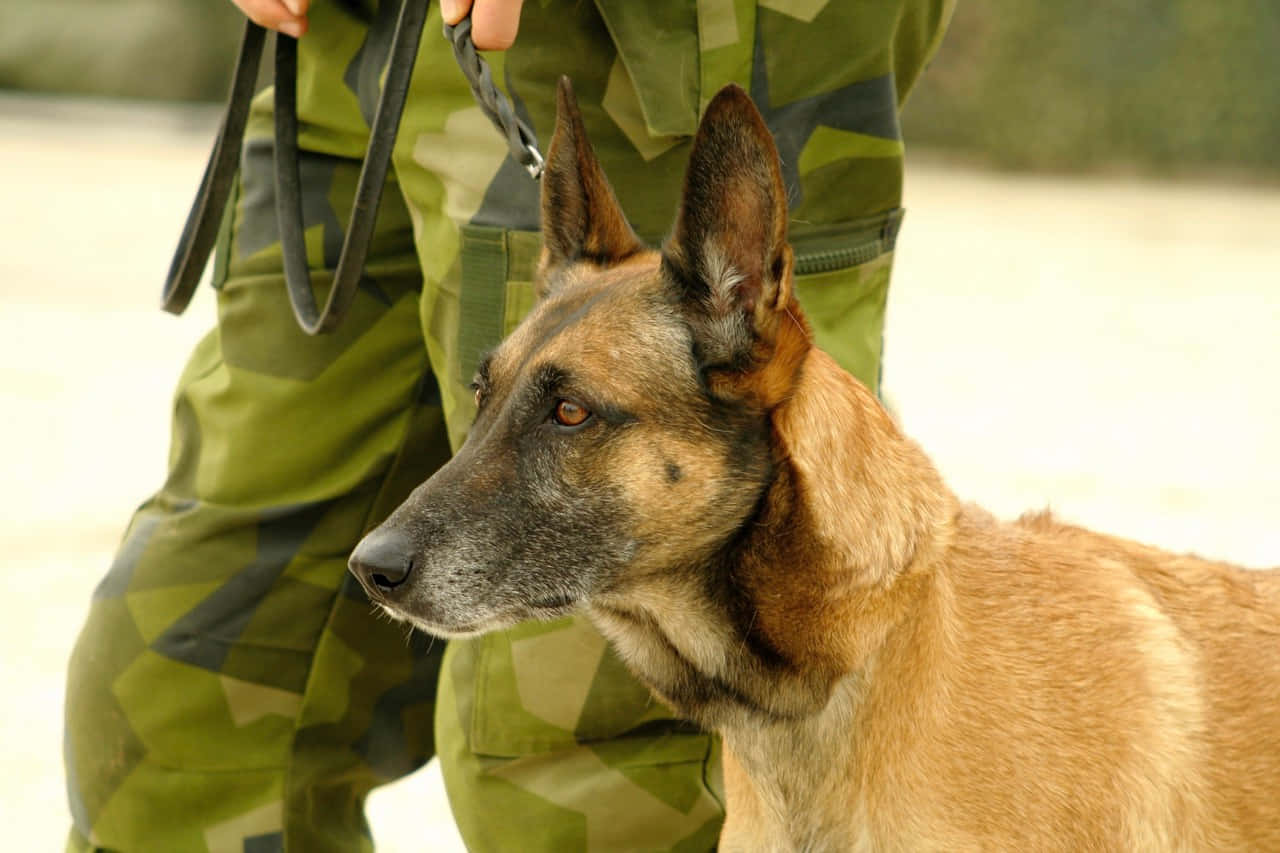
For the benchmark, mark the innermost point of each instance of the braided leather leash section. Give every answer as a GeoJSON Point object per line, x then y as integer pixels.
{"type": "Point", "coordinates": [520, 137]}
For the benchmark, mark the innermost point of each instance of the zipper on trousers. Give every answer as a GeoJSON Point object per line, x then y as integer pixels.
{"type": "Point", "coordinates": [846, 245]}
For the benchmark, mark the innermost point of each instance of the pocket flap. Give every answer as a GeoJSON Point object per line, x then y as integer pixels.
{"type": "Point", "coordinates": [542, 687]}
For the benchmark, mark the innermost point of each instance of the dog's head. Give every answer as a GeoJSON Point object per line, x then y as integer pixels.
{"type": "Point", "coordinates": [623, 429]}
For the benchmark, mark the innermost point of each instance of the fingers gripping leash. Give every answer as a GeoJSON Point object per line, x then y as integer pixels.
{"type": "Point", "coordinates": [519, 136]}
{"type": "Point", "coordinates": [200, 231]}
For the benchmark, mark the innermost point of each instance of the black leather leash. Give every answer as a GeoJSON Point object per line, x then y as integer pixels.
{"type": "Point", "coordinates": [201, 229]}
{"type": "Point", "coordinates": [200, 232]}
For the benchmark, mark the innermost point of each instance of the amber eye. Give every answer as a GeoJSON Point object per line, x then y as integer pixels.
{"type": "Point", "coordinates": [570, 414]}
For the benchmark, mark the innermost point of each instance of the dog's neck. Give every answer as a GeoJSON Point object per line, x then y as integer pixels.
{"type": "Point", "coordinates": [842, 568]}
{"type": "Point", "coordinates": [858, 515]}
{"type": "Point", "coordinates": [838, 554]}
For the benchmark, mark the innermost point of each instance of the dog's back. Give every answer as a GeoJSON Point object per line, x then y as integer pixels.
{"type": "Point", "coordinates": [1066, 689]}
{"type": "Point", "coordinates": [1219, 624]}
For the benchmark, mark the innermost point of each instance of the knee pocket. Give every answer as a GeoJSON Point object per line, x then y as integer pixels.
{"type": "Point", "coordinates": [556, 728]}
{"type": "Point", "coordinates": [541, 687]}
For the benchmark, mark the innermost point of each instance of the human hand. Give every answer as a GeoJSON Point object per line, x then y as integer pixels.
{"type": "Point", "coordinates": [286, 16]}
{"type": "Point", "coordinates": [494, 23]}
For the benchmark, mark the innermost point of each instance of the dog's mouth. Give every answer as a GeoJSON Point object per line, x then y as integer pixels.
{"type": "Point", "coordinates": [451, 632]}
{"type": "Point", "coordinates": [541, 609]}
{"type": "Point", "coordinates": [555, 602]}
{"type": "Point", "coordinates": [430, 624]}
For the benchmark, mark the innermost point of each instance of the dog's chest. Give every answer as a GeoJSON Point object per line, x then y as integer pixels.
{"type": "Point", "coordinates": [822, 824]}
{"type": "Point", "coordinates": [800, 791]}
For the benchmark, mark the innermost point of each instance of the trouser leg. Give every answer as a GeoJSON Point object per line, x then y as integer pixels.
{"type": "Point", "coordinates": [232, 688]}
{"type": "Point", "coordinates": [231, 682]}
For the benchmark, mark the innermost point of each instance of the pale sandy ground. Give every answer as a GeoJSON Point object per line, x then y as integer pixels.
{"type": "Point", "coordinates": [1104, 347]}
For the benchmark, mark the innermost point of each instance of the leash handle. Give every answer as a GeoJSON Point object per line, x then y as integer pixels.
{"type": "Point", "coordinates": [200, 232]}
{"type": "Point", "coordinates": [373, 174]}
{"type": "Point", "coordinates": [520, 137]}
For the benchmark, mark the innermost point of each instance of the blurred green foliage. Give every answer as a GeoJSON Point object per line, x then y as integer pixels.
{"type": "Point", "coordinates": [1161, 86]}
{"type": "Point", "coordinates": [173, 49]}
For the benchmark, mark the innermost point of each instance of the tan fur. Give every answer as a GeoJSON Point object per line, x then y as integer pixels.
{"type": "Point", "coordinates": [949, 682]}
{"type": "Point", "coordinates": [890, 669]}
{"type": "Point", "coordinates": [1024, 686]}
{"type": "Point", "coordinates": [1008, 687]}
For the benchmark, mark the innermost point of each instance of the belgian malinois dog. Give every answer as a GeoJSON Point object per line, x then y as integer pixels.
{"type": "Point", "coordinates": [660, 445]}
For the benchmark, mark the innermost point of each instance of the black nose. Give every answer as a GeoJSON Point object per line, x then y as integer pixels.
{"type": "Point", "coordinates": [382, 560]}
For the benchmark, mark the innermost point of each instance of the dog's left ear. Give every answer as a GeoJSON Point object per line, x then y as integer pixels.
{"type": "Point", "coordinates": [729, 252]}
{"type": "Point", "coordinates": [581, 217]}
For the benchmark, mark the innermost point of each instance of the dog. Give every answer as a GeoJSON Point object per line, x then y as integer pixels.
{"type": "Point", "coordinates": [660, 445]}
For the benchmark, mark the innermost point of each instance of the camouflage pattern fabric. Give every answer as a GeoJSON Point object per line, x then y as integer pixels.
{"type": "Point", "coordinates": [231, 689]}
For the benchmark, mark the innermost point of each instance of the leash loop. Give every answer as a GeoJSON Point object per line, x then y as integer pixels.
{"type": "Point", "coordinates": [373, 174]}
{"type": "Point", "coordinates": [520, 137]}
{"type": "Point", "coordinates": [200, 232]}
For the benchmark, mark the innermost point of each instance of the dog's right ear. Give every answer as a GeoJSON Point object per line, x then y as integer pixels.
{"type": "Point", "coordinates": [581, 217]}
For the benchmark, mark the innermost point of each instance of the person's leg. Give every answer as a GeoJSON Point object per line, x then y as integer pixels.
{"type": "Point", "coordinates": [545, 740]}
{"type": "Point", "coordinates": [232, 689]}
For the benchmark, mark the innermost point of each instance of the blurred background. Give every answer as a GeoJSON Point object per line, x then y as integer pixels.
{"type": "Point", "coordinates": [1084, 311]}
{"type": "Point", "coordinates": [1159, 87]}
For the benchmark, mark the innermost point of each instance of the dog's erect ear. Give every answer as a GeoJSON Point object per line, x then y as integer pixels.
{"type": "Point", "coordinates": [729, 251]}
{"type": "Point", "coordinates": [581, 217]}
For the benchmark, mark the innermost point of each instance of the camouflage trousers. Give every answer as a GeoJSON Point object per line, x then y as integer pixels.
{"type": "Point", "coordinates": [232, 689]}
